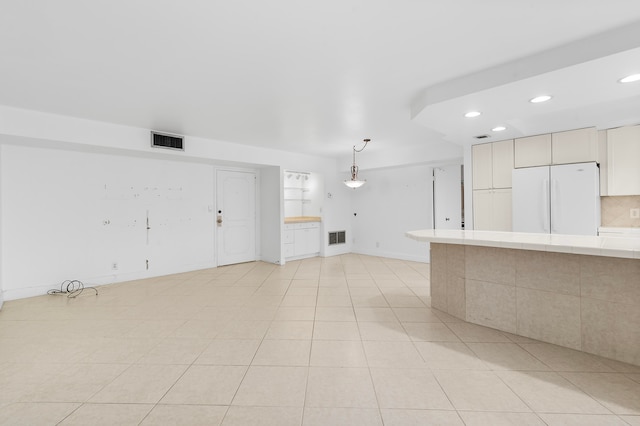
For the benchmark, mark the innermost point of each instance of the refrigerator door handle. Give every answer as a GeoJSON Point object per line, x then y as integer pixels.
{"type": "Point", "coordinates": [554, 202]}
{"type": "Point", "coordinates": [545, 205]}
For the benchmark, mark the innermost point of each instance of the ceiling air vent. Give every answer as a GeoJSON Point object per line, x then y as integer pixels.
{"type": "Point", "coordinates": [481, 136]}
{"type": "Point", "coordinates": [164, 140]}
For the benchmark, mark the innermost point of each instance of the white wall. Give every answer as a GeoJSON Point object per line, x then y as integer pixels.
{"type": "Point", "coordinates": [427, 153]}
{"type": "Point", "coordinates": [337, 213]}
{"type": "Point", "coordinates": [56, 212]}
{"type": "Point", "coordinates": [72, 215]}
{"type": "Point", "coordinates": [468, 189]}
{"type": "Point", "coordinates": [1, 239]}
{"type": "Point", "coordinates": [54, 167]}
{"type": "Point", "coordinates": [94, 135]}
{"type": "Point", "coordinates": [392, 202]}
{"type": "Point", "coordinates": [271, 215]}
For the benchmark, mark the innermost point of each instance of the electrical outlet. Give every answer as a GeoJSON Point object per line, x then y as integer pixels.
{"type": "Point", "coordinates": [114, 266]}
{"type": "Point", "coordinates": [377, 244]}
{"type": "Point", "coordinates": [634, 213]}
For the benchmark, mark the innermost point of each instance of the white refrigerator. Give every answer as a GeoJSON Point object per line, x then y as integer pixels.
{"type": "Point", "coordinates": [562, 199]}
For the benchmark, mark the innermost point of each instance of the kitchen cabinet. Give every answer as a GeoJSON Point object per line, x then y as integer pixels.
{"type": "Point", "coordinates": [492, 209]}
{"type": "Point", "coordinates": [492, 170]}
{"type": "Point", "coordinates": [492, 164]}
{"type": "Point", "coordinates": [502, 157]}
{"type": "Point", "coordinates": [289, 240]}
{"type": "Point", "coordinates": [307, 240]}
{"type": "Point", "coordinates": [532, 151]}
{"type": "Point", "coordinates": [623, 161]}
{"type": "Point", "coordinates": [574, 146]}
{"type": "Point", "coordinates": [301, 239]}
{"type": "Point", "coordinates": [482, 166]}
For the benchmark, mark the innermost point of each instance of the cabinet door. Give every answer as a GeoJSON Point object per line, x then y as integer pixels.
{"type": "Point", "coordinates": [482, 166]}
{"type": "Point", "coordinates": [300, 244]}
{"type": "Point", "coordinates": [533, 151]}
{"type": "Point", "coordinates": [313, 240]}
{"type": "Point", "coordinates": [307, 239]}
{"type": "Point", "coordinates": [575, 146]}
{"type": "Point", "coordinates": [288, 236]}
{"type": "Point", "coordinates": [501, 210]}
{"type": "Point", "coordinates": [502, 160]}
{"type": "Point", "coordinates": [482, 209]}
{"type": "Point", "coordinates": [492, 210]}
{"type": "Point", "coordinates": [289, 250]}
{"type": "Point", "coordinates": [623, 160]}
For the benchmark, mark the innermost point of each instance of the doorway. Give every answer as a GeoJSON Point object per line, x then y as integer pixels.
{"type": "Point", "coordinates": [235, 217]}
{"type": "Point", "coordinates": [448, 193]}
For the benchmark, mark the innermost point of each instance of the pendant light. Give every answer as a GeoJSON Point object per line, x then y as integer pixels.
{"type": "Point", "coordinates": [354, 182]}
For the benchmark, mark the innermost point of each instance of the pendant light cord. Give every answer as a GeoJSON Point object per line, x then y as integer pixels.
{"type": "Point", "coordinates": [354, 168]}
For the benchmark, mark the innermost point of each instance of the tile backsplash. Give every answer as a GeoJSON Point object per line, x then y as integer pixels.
{"type": "Point", "coordinates": [615, 211]}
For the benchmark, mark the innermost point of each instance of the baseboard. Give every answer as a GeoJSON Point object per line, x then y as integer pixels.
{"type": "Point", "coordinates": [303, 256]}
{"type": "Point", "coordinates": [40, 290]}
{"type": "Point", "coordinates": [393, 255]}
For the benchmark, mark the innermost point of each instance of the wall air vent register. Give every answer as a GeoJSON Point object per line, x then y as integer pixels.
{"type": "Point", "coordinates": [337, 237]}
{"type": "Point", "coordinates": [167, 141]}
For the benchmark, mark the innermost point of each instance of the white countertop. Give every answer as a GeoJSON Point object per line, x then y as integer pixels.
{"type": "Point", "coordinates": [576, 244]}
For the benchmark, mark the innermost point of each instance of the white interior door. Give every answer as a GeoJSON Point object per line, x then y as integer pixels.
{"type": "Point", "coordinates": [236, 217]}
{"type": "Point", "coordinates": [447, 197]}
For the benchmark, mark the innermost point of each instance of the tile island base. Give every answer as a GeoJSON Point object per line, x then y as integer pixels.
{"type": "Point", "coordinates": [586, 302]}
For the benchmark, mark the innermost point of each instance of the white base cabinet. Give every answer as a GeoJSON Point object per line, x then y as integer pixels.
{"type": "Point", "coordinates": [301, 239]}
{"type": "Point", "coordinates": [492, 210]}
{"type": "Point", "coordinates": [623, 161]}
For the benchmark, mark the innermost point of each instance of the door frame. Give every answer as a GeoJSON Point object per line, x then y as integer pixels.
{"type": "Point", "coordinates": [217, 233]}
{"type": "Point", "coordinates": [460, 188]}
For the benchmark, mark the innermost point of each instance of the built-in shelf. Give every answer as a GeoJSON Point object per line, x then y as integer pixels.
{"type": "Point", "coordinates": [300, 193]}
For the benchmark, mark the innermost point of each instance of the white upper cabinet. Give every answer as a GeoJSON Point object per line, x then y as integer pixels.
{"type": "Point", "coordinates": [574, 146]}
{"type": "Point", "coordinates": [492, 164]}
{"type": "Point", "coordinates": [623, 161]}
{"type": "Point", "coordinates": [502, 157]}
{"type": "Point", "coordinates": [482, 166]}
{"type": "Point", "coordinates": [533, 151]}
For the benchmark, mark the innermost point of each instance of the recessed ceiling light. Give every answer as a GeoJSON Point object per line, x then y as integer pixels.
{"type": "Point", "coordinates": [538, 99]}
{"type": "Point", "coordinates": [498, 129]}
{"type": "Point", "coordinates": [472, 114]}
{"type": "Point", "coordinates": [630, 78]}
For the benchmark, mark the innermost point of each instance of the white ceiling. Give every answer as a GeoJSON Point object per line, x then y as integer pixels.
{"type": "Point", "coordinates": [318, 77]}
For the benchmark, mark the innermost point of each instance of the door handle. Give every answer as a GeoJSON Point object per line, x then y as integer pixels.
{"type": "Point", "coordinates": [219, 220]}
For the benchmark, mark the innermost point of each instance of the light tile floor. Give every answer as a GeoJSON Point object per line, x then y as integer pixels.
{"type": "Point", "coordinates": [346, 340]}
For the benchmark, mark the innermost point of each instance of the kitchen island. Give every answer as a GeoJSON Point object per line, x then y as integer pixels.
{"type": "Point", "coordinates": [580, 292]}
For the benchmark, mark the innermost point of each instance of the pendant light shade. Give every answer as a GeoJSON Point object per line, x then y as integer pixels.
{"type": "Point", "coordinates": [355, 182]}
